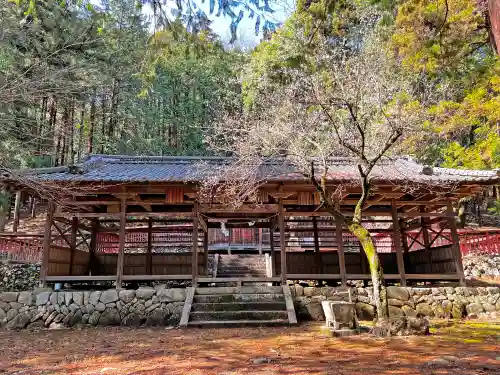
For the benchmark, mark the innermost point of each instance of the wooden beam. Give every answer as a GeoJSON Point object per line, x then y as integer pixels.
{"type": "Point", "coordinates": [74, 229]}
{"type": "Point", "coordinates": [46, 243]}
{"type": "Point", "coordinates": [194, 264]}
{"type": "Point", "coordinates": [246, 208]}
{"type": "Point", "coordinates": [182, 214]}
{"type": "Point", "coordinates": [397, 244]}
{"type": "Point", "coordinates": [203, 223]}
{"type": "Point", "coordinates": [149, 255]}
{"type": "Point", "coordinates": [457, 255]}
{"type": "Point", "coordinates": [17, 210]}
{"type": "Point", "coordinates": [121, 246]}
{"type": "Point", "coordinates": [340, 250]}
{"type": "Point", "coordinates": [281, 220]}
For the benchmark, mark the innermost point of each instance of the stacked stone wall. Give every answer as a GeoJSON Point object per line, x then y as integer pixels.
{"type": "Point", "coordinates": [438, 302]}
{"type": "Point", "coordinates": [18, 276]}
{"type": "Point", "coordinates": [157, 306]}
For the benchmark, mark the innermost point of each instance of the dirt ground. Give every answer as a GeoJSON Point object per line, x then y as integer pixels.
{"type": "Point", "coordinates": [463, 348]}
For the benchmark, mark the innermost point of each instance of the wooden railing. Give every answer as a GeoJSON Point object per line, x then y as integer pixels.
{"type": "Point", "coordinates": [28, 247]}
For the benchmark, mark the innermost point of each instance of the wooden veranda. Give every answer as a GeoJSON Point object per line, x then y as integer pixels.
{"type": "Point", "coordinates": [158, 196]}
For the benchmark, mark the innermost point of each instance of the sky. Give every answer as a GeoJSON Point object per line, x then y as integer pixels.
{"type": "Point", "coordinates": [246, 29]}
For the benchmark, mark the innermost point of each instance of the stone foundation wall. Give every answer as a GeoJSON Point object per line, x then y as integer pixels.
{"type": "Point", "coordinates": [18, 276]}
{"type": "Point", "coordinates": [440, 302]}
{"type": "Point", "coordinates": [45, 308]}
{"type": "Point", "coordinates": [480, 266]}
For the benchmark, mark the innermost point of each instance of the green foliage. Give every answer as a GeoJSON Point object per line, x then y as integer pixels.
{"type": "Point", "coordinates": [86, 78]}
{"type": "Point", "coordinates": [495, 209]}
{"type": "Point", "coordinates": [445, 47]}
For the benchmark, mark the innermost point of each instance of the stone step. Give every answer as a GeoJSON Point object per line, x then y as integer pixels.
{"type": "Point", "coordinates": [240, 306]}
{"type": "Point", "coordinates": [227, 298]}
{"type": "Point", "coordinates": [239, 323]}
{"type": "Point", "coordinates": [243, 273]}
{"type": "Point", "coordinates": [245, 289]}
{"type": "Point", "coordinates": [197, 316]}
{"type": "Point", "coordinates": [237, 268]}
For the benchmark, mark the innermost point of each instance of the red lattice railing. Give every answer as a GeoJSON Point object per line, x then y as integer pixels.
{"type": "Point", "coordinates": [29, 247]}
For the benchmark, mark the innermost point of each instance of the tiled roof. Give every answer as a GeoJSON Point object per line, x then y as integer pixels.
{"type": "Point", "coordinates": [117, 168]}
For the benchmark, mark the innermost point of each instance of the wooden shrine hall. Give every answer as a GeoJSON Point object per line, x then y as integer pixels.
{"type": "Point", "coordinates": [129, 219]}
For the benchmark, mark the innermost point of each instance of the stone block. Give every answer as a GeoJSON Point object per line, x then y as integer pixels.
{"type": "Point", "coordinates": [408, 311]}
{"type": "Point", "coordinates": [110, 316]}
{"type": "Point", "coordinates": [20, 321]}
{"type": "Point", "coordinates": [53, 298]}
{"type": "Point", "coordinates": [424, 309]}
{"type": "Point", "coordinates": [11, 314]}
{"type": "Point", "coordinates": [145, 293]}
{"type": "Point", "coordinates": [395, 311]}
{"type": "Point", "coordinates": [398, 293]}
{"type": "Point", "coordinates": [395, 302]}
{"type": "Point", "coordinates": [73, 307]}
{"type": "Point", "coordinates": [94, 297]}
{"type": "Point", "coordinates": [76, 318]}
{"type": "Point", "coordinates": [9, 296]}
{"type": "Point", "coordinates": [127, 295]}
{"type": "Point", "coordinates": [94, 318]}
{"type": "Point", "coordinates": [299, 290]}
{"type": "Point", "coordinates": [42, 298]}
{"type": "Point", "coordinates": [109, 296]}
{"type": "Point", "coordinates": [15, 305]}
{"type": "Point", "coordinates": [78, 298]}
{"type": "Point", "coordinates": [458, 310]}
{"type": "Point", "coordinates": [26, 298]}
{"type": "Point", "coordinates": [100, 307]}
{"type": "Point", "coordinates": [172, 295]}
{"type": "Point", "coordinates": [474, 309]}
{"type": "Point", "coordinates": [365, 311]}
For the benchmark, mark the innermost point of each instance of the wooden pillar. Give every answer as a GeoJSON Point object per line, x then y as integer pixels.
{"type": "Point", "coordinates": [282, 242]}
{"type": "Point", "coordinates": [33, 207]}
{"type": "Point", "coordinates": [121, 247]}
{"type": "Point", "coordinates": [317, 257]}
{"type": "Point", "coordinates": [398, 244]}
{"type": "Point", "coordinates": [205, 250]}
{"type": "Point", "coordinates": [46, 243]}
{"type": "Point", "coordinates": [273, 253]}
{"type": "Point", "coordinates": [94, 233]}
{"type": "Point", "coordinates": [340, 251]}
{"type": "Point", "coordinates": [3, 216]}
{"type": "Point", "coordinates": [457, 255]}
{"type": "Point", "coordinates": [404, 237]}
{"type": "Point", "coordinates": [74, 231]}
{"type": "Point", "coordinates": [17, 209]}
{"type": "Point", "coordinates": [149, 255]}
{"type": "Point", "coordinates": [425, 235]}
{"type": "Point", "coordinates": [194, 258]}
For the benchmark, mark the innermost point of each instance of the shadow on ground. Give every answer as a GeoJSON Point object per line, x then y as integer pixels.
{"type": "Point", "coordinates": [463, 348]}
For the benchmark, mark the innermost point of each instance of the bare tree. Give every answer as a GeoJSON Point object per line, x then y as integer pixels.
{"type": "Point", "coordinates": [355, 105]}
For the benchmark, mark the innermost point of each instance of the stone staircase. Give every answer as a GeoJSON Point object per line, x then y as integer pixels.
{"type": "Point", "coordinates": [248, 305]}
{"type": "Point", "coordinates": [241, 265]}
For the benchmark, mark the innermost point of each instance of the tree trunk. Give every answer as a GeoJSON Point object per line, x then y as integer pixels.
{"type": "Point", "coordinates": [113, 110]}
{"type": "Point", "coordinates": [376, 271]}
{"type": "Point", "coordinates": [494, 24]}
{"type": "Point", "coordinates": [363, 235]}
{"type": "Point", "coordinates": [91, 126]}
{"type": "Point", "coordinates": [103, 123]}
